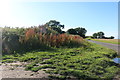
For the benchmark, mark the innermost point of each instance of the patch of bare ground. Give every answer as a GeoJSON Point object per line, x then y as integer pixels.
{"type": "Point", "coordinates": [17, 70]}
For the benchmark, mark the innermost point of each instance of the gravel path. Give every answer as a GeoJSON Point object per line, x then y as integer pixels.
{"type": "Point", "coordinates": [16, 70]}
{"type": "Point", "coordinates": [115, 47]}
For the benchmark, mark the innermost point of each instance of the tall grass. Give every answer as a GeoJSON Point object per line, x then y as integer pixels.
{"type": "Point", "coordinates": [51, 40]}
{"type": "Point", "coordinates": [21, 40]}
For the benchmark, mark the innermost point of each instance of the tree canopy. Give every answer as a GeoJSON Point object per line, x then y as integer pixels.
{"type": "Point", "coordinates": [101, 35]}
{"type": "Point", "coordinates": [55, 25]}
{"type": "Point", "coordinates": [77, 31]}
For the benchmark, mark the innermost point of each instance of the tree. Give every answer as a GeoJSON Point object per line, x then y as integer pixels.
{"type": "Point", "coordinates": [112, 37]}
{"type": "Point", "coordinates": [55, 25]}
{"type": "Point", "coordinates": [81, 31]}
{"type": "Point", "coordinates": [63, 32]}
{"type": "Point", "coordinates": [95, 35]}
{"type": "Point", "coordinates": [100, 34]}
{"type": "Point", "coordinates": [72, 31]}
{"type": "Point", "coordinates": [77, 31]}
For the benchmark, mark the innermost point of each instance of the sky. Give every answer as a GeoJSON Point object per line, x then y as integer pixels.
{"type": "Point", "coordinates": [93, 16]}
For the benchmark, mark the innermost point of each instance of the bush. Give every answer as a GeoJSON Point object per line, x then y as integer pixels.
{"type": "Point", "coordinates": [39, 40]}
{"type": "Point", "coordinates": [17, 40]}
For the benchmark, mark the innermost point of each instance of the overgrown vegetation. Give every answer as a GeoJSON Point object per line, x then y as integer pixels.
{"type": "Point", "coordinates": [41, 37]}
{"type": "Point", "coordinates": [63, 56]}
{"type": "Point", "coordinates": [92, 62]}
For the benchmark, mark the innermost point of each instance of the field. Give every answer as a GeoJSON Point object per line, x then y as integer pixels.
{"type": "Point", "coordinates": [92, 62]}
{"type": "Point", "coordinates": [112, 41]}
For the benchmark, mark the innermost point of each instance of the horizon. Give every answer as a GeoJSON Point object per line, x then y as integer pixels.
{"type": "Point", "coordinates": [93, 16]}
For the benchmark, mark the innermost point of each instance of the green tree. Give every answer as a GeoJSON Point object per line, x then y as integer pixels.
{"type": "Point", "coordinates": [72, 31]}
{"type": "Point", "coordinates": [81, 31]}
{"type": "Point", "coordinates": [112, 37]}
{"type": "Point", "coordinates": [55, 25]}
{"type": "Point", "coordinates": [95, 35]}
{"type": "Point", "coordinates": [100, 34]}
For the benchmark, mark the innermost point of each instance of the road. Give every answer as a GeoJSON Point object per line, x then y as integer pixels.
{"type": "Point", "coordinates": [115, 47]}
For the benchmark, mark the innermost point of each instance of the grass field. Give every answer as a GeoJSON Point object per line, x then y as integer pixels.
{"type": "Point", "coordinates": [112, 41]}
{"type": "Point", "coordinates": [92, 62]}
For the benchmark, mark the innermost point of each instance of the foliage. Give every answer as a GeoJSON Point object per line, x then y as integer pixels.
{"type": "Point", "coordinates": [72, 31]}
{"type": "Point", "coordinates": [81, 31]}
{"type": "Point", "coordinates": [111, 37]}
{"type": "Point", "coordinates": [65, 56]}
{"type": "Point", "coordinates": [51, 40]}
{"type": "Point", "coordinates": [10, 39]}
{"type": "Point", "coordinates": [77, 31]}
{"type": "Point", "coordinates": [42, 37]}
{"type": "Point", "coordinates": [100, 35]}
{"type": "Point", "coordinates": [55, 25]}
{"type": "Point", "coordinates": [95, 35]}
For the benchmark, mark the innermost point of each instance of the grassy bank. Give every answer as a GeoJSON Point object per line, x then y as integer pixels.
{"type": "Point", "coordinates": [112, 41]}
{"type": "Point", "coordinates": [92, 62]}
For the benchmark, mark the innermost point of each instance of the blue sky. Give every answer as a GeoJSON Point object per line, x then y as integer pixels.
{"type": "Point", "coordinates": [94, 16]}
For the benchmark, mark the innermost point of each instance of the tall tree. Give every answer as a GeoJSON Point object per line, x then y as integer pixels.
{"type": "Point", "coordinates": [72, 31]}
{"type": "Point", "coordinates": [100, 34]}
{"type": "Point", "coordinates": [55, 25]}
{"type": "Point", "coordinates": [112, 37]}
{"type": "Point", "coordinates": [95, 35]}
{"type": "Point", "coordinates": [77, 31]}
{"type": "Point", "coordinates": [81, 31]}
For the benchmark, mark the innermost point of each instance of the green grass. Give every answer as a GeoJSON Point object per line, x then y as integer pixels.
{"type": "Point", "coordinates": [93, 62]}
{"type": "Point", "coordinates": [112, 41]}
{"type": "Point", "coordinates": [88, 38]}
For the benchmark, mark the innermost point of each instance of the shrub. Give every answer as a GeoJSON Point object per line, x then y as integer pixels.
{"type": "Point", "coordinates": [38, 40]}
{"type": "Point", "coordinates": [27, 39]}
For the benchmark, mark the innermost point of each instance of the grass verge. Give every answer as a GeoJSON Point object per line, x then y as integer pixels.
{"type": "Point", "coordinates": [112, 41]}
{"type": "Point", "coordinates": [93, 62]}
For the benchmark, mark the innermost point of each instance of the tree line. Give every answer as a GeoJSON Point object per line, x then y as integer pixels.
{"type": "Point", "coordinates": [101, 35]}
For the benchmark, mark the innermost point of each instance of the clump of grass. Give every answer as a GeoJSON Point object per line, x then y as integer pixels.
{"type": "Point", "coordinates": [61, 77]}
{"type": "Point", "coordinates": [8, 60]}
{"type": "Point", "coordinates": [35, 69]}
{"type": "Point", "coordinates": [30, 66]}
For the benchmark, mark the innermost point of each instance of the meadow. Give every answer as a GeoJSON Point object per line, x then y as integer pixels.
{"type": "Point", "coordinates": [112, 41]}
